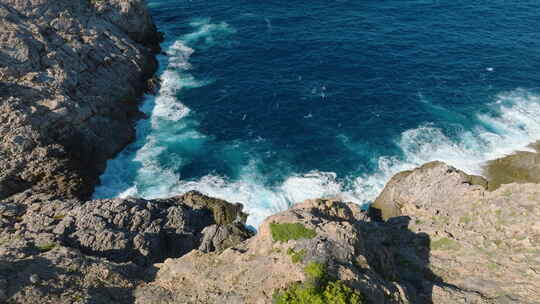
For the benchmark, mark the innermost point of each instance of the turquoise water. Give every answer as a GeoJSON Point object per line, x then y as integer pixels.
{"type": "Point", "coordinates": [270, 103]}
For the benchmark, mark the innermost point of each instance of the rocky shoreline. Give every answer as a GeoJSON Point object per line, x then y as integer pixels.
{"type": "Point", "coordinates": [71, 75]}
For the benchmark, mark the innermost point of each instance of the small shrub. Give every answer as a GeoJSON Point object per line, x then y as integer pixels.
{"type": "Point", "coordinates": [290, 231]}
{"type": "Point", "coordinates": [296, 256]}
{"type": "Point", "coordinates": [315, 271]}
{"type": "Point", "coordinates": [339, 293]}
{"type": "Point", "coordinates": [318, 290]}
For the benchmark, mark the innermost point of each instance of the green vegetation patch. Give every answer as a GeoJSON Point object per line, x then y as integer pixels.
{"type": "Point", "coordinates": [59, 216]}
{"type": "Point", "coordinates": [444, 244]}
{"type": "Point", "coordinates": [290, 231]}
{"type": "Point", "coordinates": [465, 219]}
{"type": "Point", "coordinates": [318, 289]}
{"type": "Point", "coordinates": [296, 256]}
{"type": "Point", "coordinates": [46, 247]}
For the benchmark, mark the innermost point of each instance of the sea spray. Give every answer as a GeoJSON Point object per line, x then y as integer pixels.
{"type": "Point", "coordinates": [321, 106]}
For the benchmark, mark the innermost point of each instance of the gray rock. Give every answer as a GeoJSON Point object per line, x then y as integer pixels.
{"type": "Point", "coordinates": [221, 237]}
{"type": "Point", "coordinates": [64, 275]}
{"type": "Point", "coordinates": [452, 241]}
{"type": "Point", "coordinates": [70, 75]}
{"type": "Point", "coordinates": [426, 184]}
{"type": "Point", "coordinates": [486, 242]}
{"type": "Point", "coordinates": [123, 230]}
{"type": "Point", "coordinates": [68, 251]}
{"type": "Point", "coordinates": [3, 290]}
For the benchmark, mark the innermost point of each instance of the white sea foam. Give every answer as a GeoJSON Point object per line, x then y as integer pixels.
{"type": "Point", "coordinates": [140, 171]}
{"type": "Point", "coordinates": [206, 33]}
{"type": "Point", "coordinates": [514, 124]}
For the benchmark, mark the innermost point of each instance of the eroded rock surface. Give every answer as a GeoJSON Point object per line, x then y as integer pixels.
{"type": "Point", "coordinates": [107, 236]}
{"type": "Point", "coordinates": [519, 167]}
{"type": "Point", "coordinates": [64, 275]}
{"type": "Point", "coordinates": [448, 240]}
{"type": "Point", "coordinates": [70, 75]}
{"type": "Point", "coordinates": [124, 230]}
{"type": "Point", "coordinates": [481, 241]}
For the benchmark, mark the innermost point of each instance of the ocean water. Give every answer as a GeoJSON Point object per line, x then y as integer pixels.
{"type": "Point", "coordinates": [268, 103]}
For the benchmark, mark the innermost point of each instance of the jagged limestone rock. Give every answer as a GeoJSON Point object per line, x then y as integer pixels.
{"type": "Point", "coordinates": [453, 242]}
{"type": "Point", "coordinates": [70, 75]}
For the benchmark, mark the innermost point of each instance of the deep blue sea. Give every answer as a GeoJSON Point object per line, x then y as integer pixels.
{"type": "Point", "coordinates": [268, 103]}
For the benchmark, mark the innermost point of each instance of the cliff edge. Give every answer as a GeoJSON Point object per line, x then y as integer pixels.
{"type": "Point", "coordinates": [71, 73]}
{"type": "Point", "coordinates": [446, 240]}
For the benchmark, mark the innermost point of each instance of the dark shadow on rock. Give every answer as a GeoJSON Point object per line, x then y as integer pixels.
{"type": "Point", "coordinates": [386, 252]}
{"type": "Point", "coordinates": [400, 255]}
{"type": "Point", "coordinates": [26, 273]}
{"type": "Point", "coordinates": [106, 295]}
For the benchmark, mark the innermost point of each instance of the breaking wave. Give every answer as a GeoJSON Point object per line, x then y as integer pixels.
{"type": "Point", "coordinates": [170, 138]}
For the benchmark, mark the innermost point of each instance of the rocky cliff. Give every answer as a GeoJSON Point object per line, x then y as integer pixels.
{"type": "Point", "coordinates": [71, 75]}
{"type": "Point", "coordinates": [446, 239]}
{"type": "Point", "coordinates": [71, 72]}
{"type": "Point", "coordinates": [68, 251]}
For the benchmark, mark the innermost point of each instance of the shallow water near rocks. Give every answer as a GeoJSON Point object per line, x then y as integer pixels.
{"type": "Point", "coordinates": [268, 103]}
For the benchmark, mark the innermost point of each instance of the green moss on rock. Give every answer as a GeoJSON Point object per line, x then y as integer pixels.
{"type": "Point", "coordinates": [444, 244]}
{"type": "Point", "coordinates": [46, 247]}
{"type": "Point", "coordinates": [296, 256]}
{"type": "Point", "coordinates": [290, 231]}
